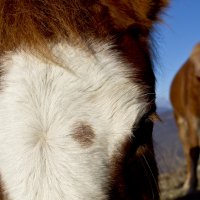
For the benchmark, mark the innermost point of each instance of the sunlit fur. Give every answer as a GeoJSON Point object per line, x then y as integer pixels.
{"type": "Point", "coordinates": [185, 100]}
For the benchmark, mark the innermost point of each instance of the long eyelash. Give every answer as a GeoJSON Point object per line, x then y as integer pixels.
{"type": "Point", "coordinates": [155, 117]}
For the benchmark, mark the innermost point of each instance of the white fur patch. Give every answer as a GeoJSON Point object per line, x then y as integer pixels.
{"type": "Point", "coordinates": [40, 102]}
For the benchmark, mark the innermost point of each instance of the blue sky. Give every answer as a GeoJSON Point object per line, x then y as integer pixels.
{"type": "Point", "coordinates": [175, 38]}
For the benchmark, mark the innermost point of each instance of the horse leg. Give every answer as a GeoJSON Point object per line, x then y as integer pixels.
{"type": "Point", "coordinates": [191, 150]}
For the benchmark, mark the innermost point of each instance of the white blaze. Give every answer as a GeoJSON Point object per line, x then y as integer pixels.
{"type": "Point", "coordinates": [39, 104]}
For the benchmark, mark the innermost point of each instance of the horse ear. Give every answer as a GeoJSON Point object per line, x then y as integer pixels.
{"type": "Point", "coordinates": [139, 13]}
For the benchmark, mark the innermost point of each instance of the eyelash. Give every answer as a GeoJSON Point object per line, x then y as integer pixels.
{"type": "Point", "coordinates": [154, 117]}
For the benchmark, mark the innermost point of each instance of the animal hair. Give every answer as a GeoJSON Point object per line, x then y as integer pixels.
{"type": "Point", "coordinates": [37, 23]}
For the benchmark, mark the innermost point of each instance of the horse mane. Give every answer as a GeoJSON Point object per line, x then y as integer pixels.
{"type": "Point", "coordinates": [36, 23]}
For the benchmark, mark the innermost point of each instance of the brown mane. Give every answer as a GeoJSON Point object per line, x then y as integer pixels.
{"type": "Point", "coordinates": [35, 23]}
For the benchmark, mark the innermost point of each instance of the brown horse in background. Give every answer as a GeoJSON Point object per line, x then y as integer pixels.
{"type": "Point", "coordinates": [185, 99]}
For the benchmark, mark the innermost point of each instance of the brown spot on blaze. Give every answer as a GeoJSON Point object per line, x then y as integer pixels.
{"type": "Point", "coordinates": [83, 133]}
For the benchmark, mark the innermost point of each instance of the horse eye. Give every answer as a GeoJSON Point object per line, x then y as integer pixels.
{"type": "Point", "coordinates": [142, 131]}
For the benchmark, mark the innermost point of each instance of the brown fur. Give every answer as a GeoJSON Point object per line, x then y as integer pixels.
{"type": "Point", "coordinates": [83, 134]}
{"type": "Point", "coordinates": [35, 23]}
{"type": "Point", "coordinates": [2, 197]}
{"type": "Point", "coordinates": [185, 90]}
{"type": "Point", "coordinates": [1, 193]}
{"type": "Point", "coordinates": [135, 172]}
{"type": "Point", "coordinates": [141, 13]}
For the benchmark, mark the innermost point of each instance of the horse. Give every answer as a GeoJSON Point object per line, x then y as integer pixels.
{"type": "Point", "coordinates": [77, 99]}
{"type": "Point", "coordinates": [184, 95]}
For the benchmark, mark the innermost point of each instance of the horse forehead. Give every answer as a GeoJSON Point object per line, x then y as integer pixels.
{"type": "Point", "coordinates": [100, 76]}
{"type": "Point", "coordinates": [97, 91]}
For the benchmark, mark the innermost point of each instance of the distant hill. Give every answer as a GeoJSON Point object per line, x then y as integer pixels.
{"type": "Point", "coordinates": [167, 145]}
{"type": "Point", "coordinates": [170, 158]}
{"type": "Point", "coordinates": [162, 110]}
